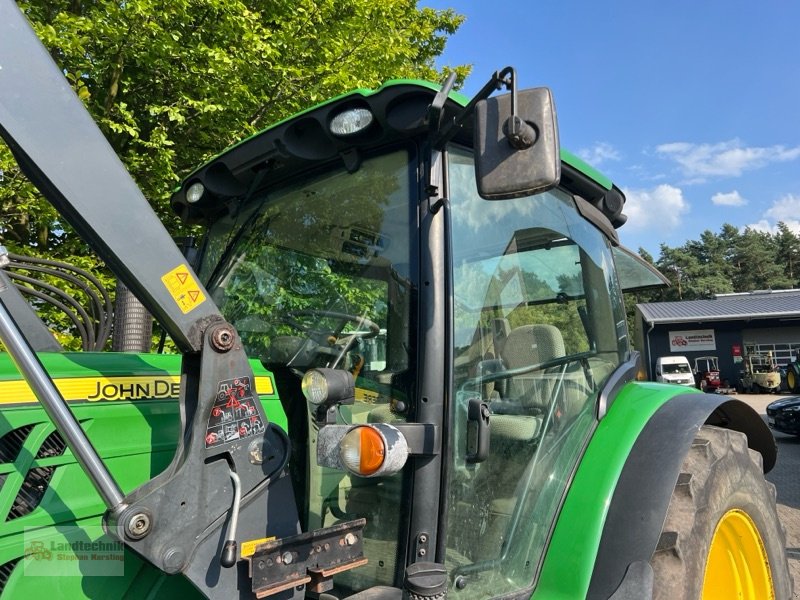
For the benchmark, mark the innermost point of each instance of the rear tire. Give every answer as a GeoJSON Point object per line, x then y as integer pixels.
{"type": "Point", "coordinates": [719, 475]}
{"type": "Point", "coordinates": [792, 380]}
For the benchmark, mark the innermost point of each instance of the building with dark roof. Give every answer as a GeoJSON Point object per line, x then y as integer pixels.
{"type": "Point", "coordinates": [725, 326]}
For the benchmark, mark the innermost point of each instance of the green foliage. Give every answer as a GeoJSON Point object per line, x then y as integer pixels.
{"type": "Point", "coordinates": [728, 261]}
{"type": "Point", "coordinates": [788, 253]}
{"type": "Point", "coordinates": [289, 261]}
{"type": "Point", "coordinates": [563, 316]}
{"type": "Point", "coordinates": [172, 83]}
{"type": "Point", "coordinates": [261, 315]}
{"type": "Point", "coordinates": [755, 263]}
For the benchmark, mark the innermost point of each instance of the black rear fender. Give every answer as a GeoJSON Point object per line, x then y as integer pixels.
{"type": "Point", "coordinates": [640, 500]}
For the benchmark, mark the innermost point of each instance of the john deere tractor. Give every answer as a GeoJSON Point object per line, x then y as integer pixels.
{"type": "Point", "coordinates": [404, 372]}
{"type": "Point", "coordinates": [793, 373]}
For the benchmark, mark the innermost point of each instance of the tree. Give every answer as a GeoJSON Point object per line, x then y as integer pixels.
{"type": "Point", "coordinates": [756, 268]}
{"type": "Point", "coordinates": [646, 255]}
{"type": "Point", "coordinates": [713, 275]}
{"type": "Point", "coordinates": [680, 267]}
{"type": "Point", "coordinates": [172, 83]}
{"type": "Point", "coordinates": [731, 261]}
{"type": "Point", "coordinates": [788, 253]}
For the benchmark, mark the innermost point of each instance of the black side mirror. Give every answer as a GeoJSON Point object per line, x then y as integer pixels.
{"type": "Point", "coordinates": [504, 167]}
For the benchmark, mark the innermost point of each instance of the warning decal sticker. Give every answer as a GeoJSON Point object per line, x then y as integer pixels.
{"type": "Point", "coordinates": [234, 415]}
{"type": "Point", "coordinates": [183, 288]}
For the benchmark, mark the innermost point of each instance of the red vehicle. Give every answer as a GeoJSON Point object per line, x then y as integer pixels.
{"type": "Point", "coordinates": [706, 373]}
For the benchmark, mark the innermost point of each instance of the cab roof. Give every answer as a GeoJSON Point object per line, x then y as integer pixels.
{"type": "Point", "coordinates": [304, 140]}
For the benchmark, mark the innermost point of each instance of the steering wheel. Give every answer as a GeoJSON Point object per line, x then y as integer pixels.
{"type": "Point", "coordinates": [547, 364]}
{"type": "Point", "coordinates": [373, 328]}
{"type": "Point", "coordinates": [556, 403]}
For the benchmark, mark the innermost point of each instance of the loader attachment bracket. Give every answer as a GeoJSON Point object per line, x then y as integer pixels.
{"type": "Point", "coordinates": [311, 558]}
{"type": "Point", "coordinates": [227, 481]}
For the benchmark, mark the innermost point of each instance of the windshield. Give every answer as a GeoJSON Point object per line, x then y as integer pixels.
{"type": "Point", "coordinates": [538, 328]}
{"type": "Point", "coordinates": [319, 274]}
{"type": "Point", "coordinates": [673, 368]}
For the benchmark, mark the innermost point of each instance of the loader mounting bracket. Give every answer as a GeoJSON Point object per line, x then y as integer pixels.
{"type": "Point", "coordinates": [311, 558]}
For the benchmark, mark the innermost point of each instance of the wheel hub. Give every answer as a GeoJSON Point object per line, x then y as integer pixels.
{"type": "Point", "coordinates": [737, 566]}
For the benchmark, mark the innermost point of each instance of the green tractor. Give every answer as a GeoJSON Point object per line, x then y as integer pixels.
{"type": "Point", "coordinates": [404, 372]}
{"type": "Point", "coordinates": [793, 374]}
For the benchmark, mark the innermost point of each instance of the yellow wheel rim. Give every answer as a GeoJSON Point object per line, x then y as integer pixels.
{"type": "Point", "coordinates": [790, 382]}
{"type": "Point", "coordinates": [737, 566]}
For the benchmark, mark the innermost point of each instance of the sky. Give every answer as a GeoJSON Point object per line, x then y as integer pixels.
{"type": "Point", "coordinates": [690, 107]}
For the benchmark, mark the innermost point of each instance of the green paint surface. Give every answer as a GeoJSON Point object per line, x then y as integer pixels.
{"type": "Point", "coordinates": [136, 440]}
{"type": "Point", "coordinates": [567, 569]}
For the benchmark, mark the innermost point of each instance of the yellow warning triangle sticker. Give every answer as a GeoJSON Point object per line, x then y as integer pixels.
{"type": "Point", "coordinates": [183, 288]}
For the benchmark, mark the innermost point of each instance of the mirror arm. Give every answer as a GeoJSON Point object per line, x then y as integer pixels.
{"type": "Point", "coordinates": [519, 133]}
{"type": "Point", "coordinates": [436, 109]}
{"type": "Point", "coordinates": [442, 135]}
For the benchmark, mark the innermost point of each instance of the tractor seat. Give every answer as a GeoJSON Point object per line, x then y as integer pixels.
{"type": "Point", "coordinates": [530, 345]}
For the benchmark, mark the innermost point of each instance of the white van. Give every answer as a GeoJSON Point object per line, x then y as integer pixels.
{"type": "Point", "coordinates": [674, 369]}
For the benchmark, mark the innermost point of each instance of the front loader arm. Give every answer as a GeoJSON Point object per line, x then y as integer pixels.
{"type": "Point", "coordinates": [184, 519]}
{"type": "Point", "coordinates": [65, 155]}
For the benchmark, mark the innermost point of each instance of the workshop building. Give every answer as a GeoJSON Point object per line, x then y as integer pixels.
{"type": "Point", "coordinates": [726, 326]}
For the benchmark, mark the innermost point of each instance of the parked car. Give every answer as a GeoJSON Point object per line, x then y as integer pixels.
{"type": "Point", "coordinates": [784, 415]}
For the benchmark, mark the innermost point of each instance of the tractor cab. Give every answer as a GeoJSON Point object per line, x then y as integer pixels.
{"type": "Point", "coordinates": [405, 372]}
{"type": "Point", "coordinates": [484, 331]}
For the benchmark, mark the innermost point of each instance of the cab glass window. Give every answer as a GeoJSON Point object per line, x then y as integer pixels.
{"type": "Point", "coordinates": [538, 328]}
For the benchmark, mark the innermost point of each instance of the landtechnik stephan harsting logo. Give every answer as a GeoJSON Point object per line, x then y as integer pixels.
{"type": "Point", "coordinates": [73, 552]}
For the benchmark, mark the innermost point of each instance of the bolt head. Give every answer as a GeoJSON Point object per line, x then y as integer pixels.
{"type": "Point", "coordinates": [350, 539]}
{"type": "Point", "coordinates": [222, 338]}
{"type": "Point", "coordinates": [138, 525]}
{"type": "Point", "coordinates": [173, 560]}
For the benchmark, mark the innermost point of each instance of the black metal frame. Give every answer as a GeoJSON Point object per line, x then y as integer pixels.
{"type": "Point", "coordinates": [66, 156]}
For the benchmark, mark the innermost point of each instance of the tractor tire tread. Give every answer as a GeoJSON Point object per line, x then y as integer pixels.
{"type": "Point", "coordinates": [718, 473]}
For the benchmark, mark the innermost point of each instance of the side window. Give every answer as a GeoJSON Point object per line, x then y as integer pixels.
{"type": "Point", "coordinates": [539, 327]}
{"type": "Point", "coordinates": [320, 273]}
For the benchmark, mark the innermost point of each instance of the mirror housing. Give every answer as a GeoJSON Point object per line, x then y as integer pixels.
{"type": "Point", "coordinates": [501, 170]}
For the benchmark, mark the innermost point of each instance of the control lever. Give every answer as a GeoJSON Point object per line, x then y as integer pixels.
{"type": "Point", "coordinates": [228, 557]}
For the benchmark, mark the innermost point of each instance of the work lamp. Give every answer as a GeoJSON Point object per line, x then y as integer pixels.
{"type": "Point", "coordinates": [351, 121]}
